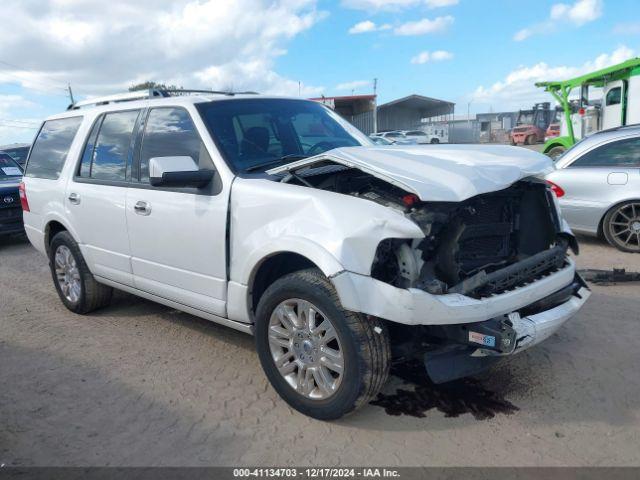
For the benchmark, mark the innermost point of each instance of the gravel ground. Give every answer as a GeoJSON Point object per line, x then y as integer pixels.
{"type": "Point", "coordinates": [139, 384]}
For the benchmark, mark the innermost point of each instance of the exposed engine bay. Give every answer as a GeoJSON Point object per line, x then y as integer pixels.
{"type": "Point", "coordinates": [482, 246]}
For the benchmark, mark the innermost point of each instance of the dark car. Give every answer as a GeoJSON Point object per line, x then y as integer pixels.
{"type": "Point", "coordinates": [18, 152]}
{"type": "Point", "coordinates": [10, 206]}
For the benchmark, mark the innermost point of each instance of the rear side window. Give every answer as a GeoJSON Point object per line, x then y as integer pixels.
{"type": "Point", "coordinates": [170, 132]}
{"type": "Point", "coordinates": [50, 149]}
{"type": "Point", "coordinates": [623, 153]}
{"type": "Point", "coordinates": [108, 146]}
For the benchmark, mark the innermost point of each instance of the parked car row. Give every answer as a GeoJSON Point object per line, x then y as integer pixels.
{"type": "Point", "coordinates": [432, 135]}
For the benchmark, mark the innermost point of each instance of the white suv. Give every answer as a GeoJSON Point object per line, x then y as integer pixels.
{"type": "Point", "coordinates": [276, 217]}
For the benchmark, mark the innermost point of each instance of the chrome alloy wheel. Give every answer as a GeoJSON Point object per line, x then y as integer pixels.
{"type": "Point", "coordinates": [67, 274]}
{"type": "Point", "coordinates": [306, 349]}
{"type": "Point", "coordinates": [625, 226]}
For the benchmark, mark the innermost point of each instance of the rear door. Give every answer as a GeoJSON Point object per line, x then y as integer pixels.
{"type": "Point", "coordinates": [178, 235]}
{"type": "Point", "coordinates": [613, 103]}
{"type": "Point", "coordinates": [601, 177]}
{"type": "Point", "coordinates": [96, 196]}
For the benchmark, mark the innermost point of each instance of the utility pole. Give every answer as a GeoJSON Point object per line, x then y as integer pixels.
{"type": "Point", "coordinates": [375, 105]}
{"type": "Point", "coordinates": [299, 88]}
{"type": "Point", "coordinates": [70, 94]}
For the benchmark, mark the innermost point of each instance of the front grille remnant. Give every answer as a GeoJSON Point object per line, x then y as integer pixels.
{"type": "Point", "coordinates": [484, 284]}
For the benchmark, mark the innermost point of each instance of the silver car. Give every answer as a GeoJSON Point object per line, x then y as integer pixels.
{"type": "Point", "coordinates": [598, 186]}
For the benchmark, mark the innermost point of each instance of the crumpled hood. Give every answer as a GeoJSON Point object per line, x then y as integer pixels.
{"type": "Point", "coordinates": [439, 173]}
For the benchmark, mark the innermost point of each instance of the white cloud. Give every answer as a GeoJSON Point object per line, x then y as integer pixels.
{"type": "Point", "coordinates": [363, 27]}
{"type": "Point", "coordinates": [578, 14]}
{"type": "Point", "coordinates": [368, 26]}
{"type": "Point", "coordinates": [395, 5]}
{"type": "Point", "coordinates": [193, 43]}
{"type": "Point", "coordinates": [440, 55]}
{"type": "Point", "coordinates": [437, 56]}
{"type": "Point", "coordinates": [440, 3]}
{"type": "Point", "coordinates": [425, 26]}
{"type": "Point", "coordinates": [379, 5]}
{"type": "Point", "coordinates": [518, 88]}
{"type": "Point", "coordinates": [349, 86]}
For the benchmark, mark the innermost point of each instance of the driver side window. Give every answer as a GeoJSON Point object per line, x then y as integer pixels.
{"type": "Point", "coordinates": [169, 131]}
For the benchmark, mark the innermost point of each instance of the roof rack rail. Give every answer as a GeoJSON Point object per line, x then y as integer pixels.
{"type": "Point", "coordinates": [146, 95]}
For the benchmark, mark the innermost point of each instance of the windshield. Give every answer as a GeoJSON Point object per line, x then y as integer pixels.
{"type": "Point", "coordinates": [258, 134]}
{"type": "Point", "coordinates": [8, 167]}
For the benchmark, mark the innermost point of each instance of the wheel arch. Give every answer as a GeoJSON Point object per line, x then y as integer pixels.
{"type": "Point", "coordinates": [564, 142]}
{"type": "Point", "coordinates": [54, 226]}
{"type": "Point", "coordinates": [273, 267]}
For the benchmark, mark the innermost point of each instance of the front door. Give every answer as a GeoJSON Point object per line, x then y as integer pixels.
{"type": "Point", "coordinates": [178, 235]}
{"type": "Point", "coordinates": [613, 100]}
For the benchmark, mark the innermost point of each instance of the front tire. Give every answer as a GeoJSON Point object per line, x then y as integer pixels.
{"type": "Point", "coordinates": [621, 227]}
{"type": "Point", "coordinates": [76, 287]}
{"type": "Point", "coordinates": [324, 361]}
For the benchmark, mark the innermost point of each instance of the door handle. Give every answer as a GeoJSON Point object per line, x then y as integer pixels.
{"type": "Point", "coordinates": [74, 198]}
{"type": "Point", "coordinates": [142, 208]}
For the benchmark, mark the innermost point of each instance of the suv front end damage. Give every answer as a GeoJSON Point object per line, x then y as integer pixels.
{"type": "Point", "coordinates": [489, 278]}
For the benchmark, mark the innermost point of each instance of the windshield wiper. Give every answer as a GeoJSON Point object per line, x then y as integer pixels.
{"type": "Point", "coordinates": [292, 157]}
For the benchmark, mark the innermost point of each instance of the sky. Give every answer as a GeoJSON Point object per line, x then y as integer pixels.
{"type": "Point", "coordinates": [484, 55]}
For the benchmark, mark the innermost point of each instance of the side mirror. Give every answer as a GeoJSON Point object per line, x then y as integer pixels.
{"type": "Point", "coordinates": [177, 172]}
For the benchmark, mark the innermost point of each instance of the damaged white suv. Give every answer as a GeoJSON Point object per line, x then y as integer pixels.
{"type": "Point", "coordinates": [277, 217]}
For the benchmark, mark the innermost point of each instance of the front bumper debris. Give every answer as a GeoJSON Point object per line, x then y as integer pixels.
{"type": "Point", "coordinates": [475, 347]}
{"type": "Point", "coordinates": [411, 306]}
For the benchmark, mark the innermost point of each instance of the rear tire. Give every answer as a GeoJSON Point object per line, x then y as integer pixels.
{"type": "Point", "coordinates": [621, 227]}
{"type": "Point", "coordinates": [435, 141]}
{"type": "Point", "coordinates": [361, 341]}
{"type": "Point", "coordinates": [74, 283]}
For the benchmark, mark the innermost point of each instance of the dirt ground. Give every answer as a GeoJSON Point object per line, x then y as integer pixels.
{"type": "Point", "coordinates": [139, 384]}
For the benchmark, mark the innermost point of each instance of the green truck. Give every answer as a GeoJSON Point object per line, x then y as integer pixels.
{"type": "Point", "coordinates": [620, 103]}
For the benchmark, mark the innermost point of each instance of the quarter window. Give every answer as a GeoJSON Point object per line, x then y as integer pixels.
{"type": "Point", "coordinates": [623, 153]}
{"type": "Point", "coordinates": [170, 132]}
{"type": "Point", "coordinates": [50, 149]}
{"type": "Point", "coordinates": [614, 96]}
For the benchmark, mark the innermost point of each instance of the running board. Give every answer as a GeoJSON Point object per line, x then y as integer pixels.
{"type": "Point", "coordinates": [242, 327]}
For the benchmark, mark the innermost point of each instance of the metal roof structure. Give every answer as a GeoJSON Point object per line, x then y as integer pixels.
{"type": "Point", "coordinates": [408, 112]}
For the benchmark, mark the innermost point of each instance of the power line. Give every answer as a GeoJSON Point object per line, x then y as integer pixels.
{"type": "Point", "coordinates": [18, 126]}
{"type": "Point", "coordinates": [32, 123]}
{"type": "Point", "coordinates": [52, 83]}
